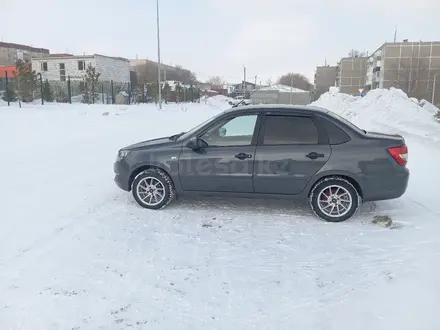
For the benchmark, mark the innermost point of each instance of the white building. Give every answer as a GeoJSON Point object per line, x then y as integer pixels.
{"type": "Point", "coordinates": [60, 67]}
{"type": "Point", "coordinates": [374, 76]}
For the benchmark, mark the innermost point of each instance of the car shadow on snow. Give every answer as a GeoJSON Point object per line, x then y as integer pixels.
{"type": "Point", "coordinates": [273, 208]}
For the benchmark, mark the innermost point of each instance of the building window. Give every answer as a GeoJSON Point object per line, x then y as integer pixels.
{"type": "Point", "coordinates": [62, 72]}
{"type": "Point", "coordinates": [378, 58]}
{"type": "Point", "coordinates": [81, 65]}
{"type": "Point", "coordinates": [43, 66]}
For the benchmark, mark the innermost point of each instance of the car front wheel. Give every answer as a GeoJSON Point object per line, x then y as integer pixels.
{"type": "Point", "coordinates": [334, 199]}
{"type": "Point", "coordinates": [153, 189]}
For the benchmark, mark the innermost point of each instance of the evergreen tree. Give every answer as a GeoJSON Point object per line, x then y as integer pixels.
{"type": "Point", "coordinates": [178, 93]}
{"type": "Point", "coordinates": [47, 92]}
{"type": "Point", "coordinates": [191, 93]}
{"type": "Point", "coordinates": [152, 90]}
{"type": "Point", "coordinates": [90, 94]}
{"type": "Point", "coordinates": [165, 91]}
{"type": "Point", "coordinates": [27, 81]}
{"type": "Point", "coordinates": [9, 95]}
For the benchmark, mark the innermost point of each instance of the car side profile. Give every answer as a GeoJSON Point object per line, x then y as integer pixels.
{"type": "Point", "coordinates": [269, 151]}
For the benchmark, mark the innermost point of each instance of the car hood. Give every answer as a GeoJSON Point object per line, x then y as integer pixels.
{"type": "Point", "coordinates": [159, 142]}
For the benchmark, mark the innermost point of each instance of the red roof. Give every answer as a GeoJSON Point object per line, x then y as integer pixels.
{"type": "Point", "coordinates": [9, 69]}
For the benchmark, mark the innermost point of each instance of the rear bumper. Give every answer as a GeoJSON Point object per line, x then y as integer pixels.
{"type": "Point", "coordinates": [391, 187]}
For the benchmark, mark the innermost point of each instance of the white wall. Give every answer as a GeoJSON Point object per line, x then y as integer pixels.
{"type": "Point", "coordinates": [110, 68]}
{"type": "Point", "coordinates": [53, 67]}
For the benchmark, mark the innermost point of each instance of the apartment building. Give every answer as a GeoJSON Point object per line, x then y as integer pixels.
{"type": "Point", "coordinates": [59, 67]}
{"type": "Point", "coordinates": [410, 66]}
{"type": "Point", "coordinates": [351, 74]}
{"type": "Point", "coordinates": [10, 53]}
{"type": "Point", "coordinates": [325, 77]}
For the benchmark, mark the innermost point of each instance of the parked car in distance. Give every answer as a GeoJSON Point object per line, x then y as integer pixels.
{"type": "Point", "coordinates": [239, 100]}
{"type": "Point", "coordinates": [269, 151]}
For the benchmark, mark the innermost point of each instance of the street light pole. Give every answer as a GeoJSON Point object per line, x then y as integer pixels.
{"type": "Point", "coordinates": [158, 59]}
{"type": "Point", "coordinates": [433, 89]}
{"type": "Point", "coordinates": [291, 88]}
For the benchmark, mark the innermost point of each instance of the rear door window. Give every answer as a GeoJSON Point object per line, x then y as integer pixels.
{"type": "Point", "coordinates": [279, 130]}
{"type": "Point", "coordinates": [335, 134]}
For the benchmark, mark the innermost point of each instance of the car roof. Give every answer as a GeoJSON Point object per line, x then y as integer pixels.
{"type": "Point", "coordinates": [287, 107]}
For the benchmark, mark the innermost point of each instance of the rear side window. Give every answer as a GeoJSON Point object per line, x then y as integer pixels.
{"type": "Point", "coordinates": [335, 134]}
{"type": "Point", "coordinates": [289, 130]}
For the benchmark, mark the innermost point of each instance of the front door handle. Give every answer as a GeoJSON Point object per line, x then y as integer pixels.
{"type": "Point", "coordinates": [314, 155]}
{"type": "Point", "coordinates": [243, 156]}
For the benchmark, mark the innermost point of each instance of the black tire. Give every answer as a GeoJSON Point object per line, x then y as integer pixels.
{"type": "Point", "coordinates": [356, 200]}
{"type": "Point", "coordinates": [163, 178]}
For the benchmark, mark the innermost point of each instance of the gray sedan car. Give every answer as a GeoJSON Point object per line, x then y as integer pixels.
{"type": "Point", "coordinates": [269, 151]}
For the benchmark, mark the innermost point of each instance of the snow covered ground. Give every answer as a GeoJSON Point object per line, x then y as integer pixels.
{"type": "Point", "coordinates": [78, 253]}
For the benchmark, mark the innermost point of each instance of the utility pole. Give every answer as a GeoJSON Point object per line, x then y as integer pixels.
{"type": "Point", "coordinates": [256, 81]}
{"type": "Point", "coordinates": [158, 59]}
{"type": "Point", "coordinates": [41, 88]}
{"type": "Point", "coordinates": [433, 89]}
{"type": "Point", "coordinates": [244, 82]}
{"type": "Point", "coordinates": [291, 88]}
{"type": "Point", "coordinates": [395, 34]}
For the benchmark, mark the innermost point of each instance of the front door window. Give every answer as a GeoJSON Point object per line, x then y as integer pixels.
{"type": "Point", "coordinates": [237, 131]}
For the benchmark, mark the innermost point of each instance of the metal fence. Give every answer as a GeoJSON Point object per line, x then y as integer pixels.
{"type": "Point", "coordinates": [105, 92]}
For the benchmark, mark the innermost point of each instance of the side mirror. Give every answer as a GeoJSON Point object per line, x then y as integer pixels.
{"type": "Point", "coordinates": [222, 131]}
{"type": "Point", "coordinates": [196, 144]}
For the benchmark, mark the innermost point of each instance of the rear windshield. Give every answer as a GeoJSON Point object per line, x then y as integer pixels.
{"type": "Point", "coordinates": [345, 121]}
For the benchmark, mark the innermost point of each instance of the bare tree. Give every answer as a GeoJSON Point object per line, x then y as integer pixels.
{"type": "Point", "coordinates": [356, 53]}
{"type": "Point", "coordinates": [193, 77]}
{"type": "Point", "coordinates": [216, 81]}
{"type": "Point", "coordinates": [297, 80]}
{"type": "Point", "coordinates": [269, 82]}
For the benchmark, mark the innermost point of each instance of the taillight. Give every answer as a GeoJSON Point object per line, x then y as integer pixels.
{"type": "Point", "coordinates": [400, 154]}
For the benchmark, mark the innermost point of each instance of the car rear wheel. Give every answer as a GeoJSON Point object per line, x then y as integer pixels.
{"type": "Point", "coordinates": [334, 199]}
{"type": "Point", "coordinates": [153, 189]}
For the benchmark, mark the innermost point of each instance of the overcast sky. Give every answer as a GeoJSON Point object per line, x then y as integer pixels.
{"type": "Point", "coordinates": [219, 37]}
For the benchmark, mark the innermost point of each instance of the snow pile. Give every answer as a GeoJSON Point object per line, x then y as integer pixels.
{"type": "Point", "coordinates": [428, 106]}
{"type": "Point", "coordinates": [218, 101]}
{"type": "Point", "coordinates": [392, 108]}
{"type": "Point", "coordinates": [335, 101]}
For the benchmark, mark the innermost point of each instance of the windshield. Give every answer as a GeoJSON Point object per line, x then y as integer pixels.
{"type": "Point", "coordinates": [345, 121]}
{"type": "Point", "coordinates": [192, 131]}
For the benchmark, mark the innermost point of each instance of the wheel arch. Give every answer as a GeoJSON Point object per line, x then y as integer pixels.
{"type": "Point", "coordinates": [346, 176]}
{"type": "Point", "coordinates": [143, 168]}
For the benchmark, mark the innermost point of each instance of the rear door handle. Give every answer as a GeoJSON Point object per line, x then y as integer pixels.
{"type": "Point", "coordinates": [243, 156]}
{"type": "Point", "coordinates": [314, 155]}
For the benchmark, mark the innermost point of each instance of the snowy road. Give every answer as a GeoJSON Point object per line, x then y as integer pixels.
{"type": "Point", "coordinates": [78, 253]}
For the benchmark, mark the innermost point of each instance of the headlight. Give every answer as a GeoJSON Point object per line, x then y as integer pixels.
{"type": "Point", "coordinates": [122, 154]}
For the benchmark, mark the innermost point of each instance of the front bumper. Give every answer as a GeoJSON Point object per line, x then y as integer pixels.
{"type": "Point", "coordinates": [122, 176]}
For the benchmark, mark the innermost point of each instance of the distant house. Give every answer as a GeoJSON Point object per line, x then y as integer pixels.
{"type": "Point", "coordinates": [281, 94]}
{"type": "Point", "coordinates": [147, 71]}
{"type": "Point", "coordinates": [7, 70]}
{"type": "Point", "coordinates": [242, 88]}
{"type": "Point", "coordinates": [59, 67]}
{"type": "Point", "coordinates": [10, 53]}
